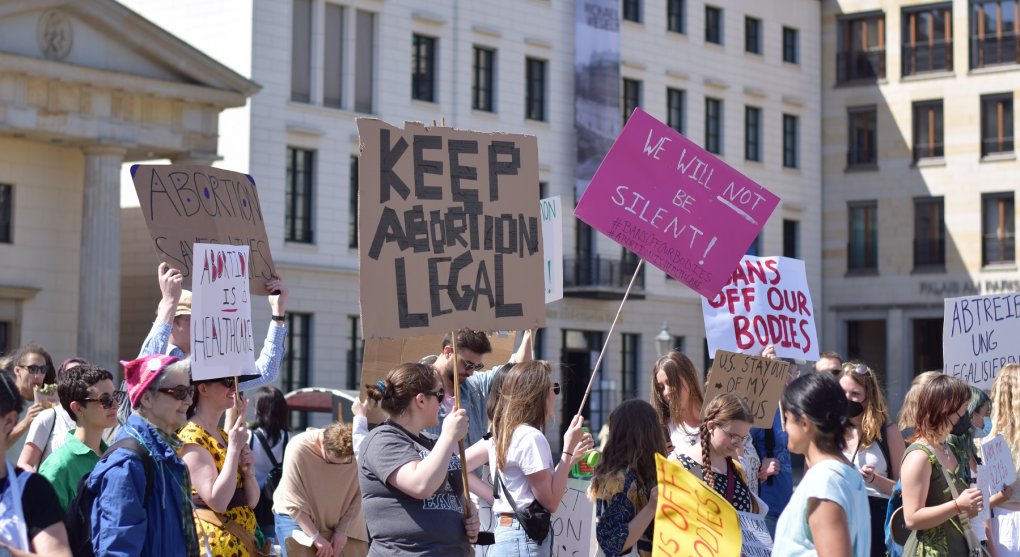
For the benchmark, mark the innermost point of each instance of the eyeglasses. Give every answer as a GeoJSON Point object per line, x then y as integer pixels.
{"type": "Point", "coordinates": [107, 400]}
{"type": "Point", "coordinates": [440, 394]}
{"type": "Point", "coordinates": [735, 437]}
{"type": "Point", "coordinates": [36, 370]}
{"type": "Point", "coordinates": [228, 382]}
{"type": "Point", "coordinates": [332, 459]}
{"type": "Point", "coordinates": [180, 392]}
{"type": "Point", "coordinates": [556, 388]}
{"type": "Point", "coordinates": [469, 366]}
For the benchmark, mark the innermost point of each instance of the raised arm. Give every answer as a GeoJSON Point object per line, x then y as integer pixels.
{"type": "Point", "coordinates": [269, 360]}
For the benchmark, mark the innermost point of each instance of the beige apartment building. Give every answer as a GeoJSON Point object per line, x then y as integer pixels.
{"type": "Point", "coordinates": [920, 172]}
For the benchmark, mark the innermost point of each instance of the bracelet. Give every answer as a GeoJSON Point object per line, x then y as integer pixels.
{"type": "Point", "coordinates": [568, 454]}
{"type": "Point", "coordinates": [957, 505]}
{"type": "Point", "coordinates": [872, 480]}
{"type": "Point", "coordinates": [280, 318]}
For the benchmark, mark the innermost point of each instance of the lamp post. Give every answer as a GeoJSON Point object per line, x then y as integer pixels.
{"type": "Point", "coordinates": [664, 340]}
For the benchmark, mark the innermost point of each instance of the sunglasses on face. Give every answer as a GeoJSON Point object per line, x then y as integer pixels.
{"type": "Point", "coordinates": [180, 392]}
{"type": "Point", "coordinates": [107, 400]}
{"type": "Point", "coordinates": [469, 366]}
{"type": "Point", "coordinates": [228, 382]}
{"type": "Point", "coordinates": [36, 370]}
{"type": "Point", "coordinates": [440, 394]}
{"type": "Point", "coordinates": [556, 388]}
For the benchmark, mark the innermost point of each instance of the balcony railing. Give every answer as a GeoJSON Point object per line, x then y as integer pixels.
{"type": "Point", "coordinates": [861, 157]}
{"type": "Point", "coordinates": [935, 57]}
{"type": "Point", "coordinates": [996, 250]}
{"type": "Point", "coordinates": [600, 276]}
{"type": "Point", "coordinates": [860, 258]}
{"type": "Point", "coordinates": [992, 51]}
{"type": "Point", "coordinates": [928, 151]}
{"type": "Point", "coordinates": [995, 145]}
{"type": "Point", "coordinates": [929, 252]}
{"type": "Point", "coordinates": [860, 65]}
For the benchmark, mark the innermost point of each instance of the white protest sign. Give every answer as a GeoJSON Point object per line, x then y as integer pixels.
{"type": "Point", "coordinates": [756, 539]}
{"type": "Point", "coordinates": [985, 487]}
{"type": "Point", "coordinates": [765, 301]}
{"type": "Point", "coordinates": [222, 344]}
{"type": "Point", "coordinates": [552, 246]}
{"type": "Point", "coordinates": [998, 462]}
{"type": "Point", "coordinates": [977, 337]}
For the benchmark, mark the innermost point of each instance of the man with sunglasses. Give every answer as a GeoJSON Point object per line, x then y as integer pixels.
{"type": "Point", "coordinates": [87, 394]}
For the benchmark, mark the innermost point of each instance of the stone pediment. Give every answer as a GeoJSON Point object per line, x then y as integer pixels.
{"type": "Point", "coordinates": [104, 35]}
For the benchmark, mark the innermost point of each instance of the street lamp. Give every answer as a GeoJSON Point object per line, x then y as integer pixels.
{"type": "Point", "coordinates": [663, 340]}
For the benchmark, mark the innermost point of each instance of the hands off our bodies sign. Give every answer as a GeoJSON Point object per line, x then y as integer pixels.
{"type": "Point", "coordinates": [451, 231]}
{"type": "Point", "coordinates": [766, 301]}
{"type": "Point", "coordinates": [222, 344]}
{"type": "Point", "coordinates": [979, 336]}
{"type": "Point", "coordinates": [674, 204]}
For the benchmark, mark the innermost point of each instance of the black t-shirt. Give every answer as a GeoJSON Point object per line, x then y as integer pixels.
{"type": "Point", "coordinates": [39, 503]}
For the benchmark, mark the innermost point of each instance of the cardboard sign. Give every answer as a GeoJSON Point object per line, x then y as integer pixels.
{"type": "Point", "coordinates": [977, 337]}
{"type": "Point", "coordinates": [186, 205]}
{"type": "Point", "coordinates": [573, 523]}
{"type": "Point", "coordinates": [757, 542]}
{"type": "Point", "coordinates": [759, 381]}
{"type": "Point", "coordinates": [691, 518]}
{"type": "Point", "coordinates": [766, 301]}
{"type": "Point", "coordinates": [675, 205]}
{"type": "Point", "coordinates": [222, 344]}
{"type": "Point", "coordinates": [451, 231]}
{"type": "Point", "coordinates": [998, 462]}
{"type": "Point", "coordinates": [552, 240]}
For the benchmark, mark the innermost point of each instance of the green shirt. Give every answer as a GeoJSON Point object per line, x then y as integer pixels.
{"type": "Point", "coordinates": [65, 468]}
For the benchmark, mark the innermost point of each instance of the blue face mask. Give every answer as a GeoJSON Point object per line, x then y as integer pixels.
{"type": "Point", "coordinates": [984, 431]}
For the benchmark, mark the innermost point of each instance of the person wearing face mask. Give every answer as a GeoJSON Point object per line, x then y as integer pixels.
{"type": "Point", "coordinates": [970, 428]}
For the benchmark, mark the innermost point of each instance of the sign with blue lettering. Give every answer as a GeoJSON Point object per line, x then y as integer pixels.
{"type": "Point", "coordinates": [979, 335]}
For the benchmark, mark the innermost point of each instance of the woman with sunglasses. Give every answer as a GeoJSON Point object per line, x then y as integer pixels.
{"type": "Point", "coordinates": [224, 488]}
{"type": "Point", "coordinates": [33, 368]}
{"type": "Point", "coordinates": [130, 515]}
{"type": "Point", "coordinates": [411, 486]}
{"type": "Point", "coordinates": [86, 392]}
{"type": "Point", "coordinates": [49, 429]}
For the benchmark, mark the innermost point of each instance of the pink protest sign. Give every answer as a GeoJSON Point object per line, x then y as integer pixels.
{"type": "Point", "coordinates": [674, 204]}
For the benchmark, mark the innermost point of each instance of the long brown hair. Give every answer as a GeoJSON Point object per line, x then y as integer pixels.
{"type": "Point", "coordinates": [876, 413]}
{"type": "Point", "coordinates": [937, 404]}
{"type": "Point", "coordinates": [908, 412]}
{"type": "Point", "coordinates": [721, 411]}
{"type": "Point", "coordinates": [680, 372]}
{"type": "Point", "coordinates": [635, 436]}
{"type": "Point", "coordinates": [522, 397]}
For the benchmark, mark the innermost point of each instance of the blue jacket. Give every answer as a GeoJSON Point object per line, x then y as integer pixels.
{"type": "Point", "coordinates": [121, 526]}
{"type": "Point", "coordinates": [778, 489]}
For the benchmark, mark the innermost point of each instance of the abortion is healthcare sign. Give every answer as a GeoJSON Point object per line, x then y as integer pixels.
{"type": "Point", "coordinates": [674, 204]}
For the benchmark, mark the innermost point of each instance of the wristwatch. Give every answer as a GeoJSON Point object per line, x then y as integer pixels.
{"type": "Point", "coordinates": [279, 318]}
{"type": "Point", "coordinates": [5, 551]}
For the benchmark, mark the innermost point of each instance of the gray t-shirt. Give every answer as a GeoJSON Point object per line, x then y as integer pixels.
{"type": "Point", "coordinates": [401, 525]}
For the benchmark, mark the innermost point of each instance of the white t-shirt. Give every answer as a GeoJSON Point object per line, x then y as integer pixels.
{"type": "Point", "coordinates": [682, 438]}
{"type": "Point", "coordinates": [872, 454]}
{"type": "Point", "coordinates": [262, 464]}
{"type": "Point", "coordinates": [529, 452]}
{"type": "Point", "coordinates": [49, 430]}
{"type": "Point", "coordinates": [831, 481]}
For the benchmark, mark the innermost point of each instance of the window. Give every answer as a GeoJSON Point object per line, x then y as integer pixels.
{"type": "Point", "coordinates": [332, 82]}
{"type": "Point", "coordinates": [364, 62]}
{"type": "Point", "coordinates": [993, 33]}
{"type": "Point", "coordinates": [629, 363]}
{"type": "Point", "coordinates": [929, 232]}
{"type": "Point", "coordinates": [680, 343]}
{"type": "Point", "coordinates": [998, 221]}
{"type": "Point", "coordinates": [632, 10]}
{"type": "Point", "coordinates": [6, 213]}
{"type": "Point", "coordinates": [299, 195]}
{"type": "Point", "coordinates": [713, 125]}
{"type": "Point", "coordinates": [301, 51]}
{"type": "Point", "coordinates": [676, 101]}
{"type": "Point", "coordinates": [928, 142]}
{"type": "Point", "coordinates": [791, 45]}
{"type": "Point", "coordinates": [352, 204]}
{"type": "Point", "coordinates": [713, 25]}
{"type": "Point", "coordinates": [861, 54]}
{"type": "Point", "coordinates": [752, 133]}
{"type": "Point", "coordinates": [752, 35]}
{"type": "Point", "coordinates": [535, 97]}
{"type": "Point", "coordinates": [791, 140]}
{"type": "Point", "coordinates": [297, 360]}
{"type": "Point", "coordinates": [791, 238]}
{"type": "Point", "coordinates": [927, 39]}
{"type": "Point", "coordinates": [543, 190]}
{"type": "Point", "coordinates": [675, 21]}
{"type": "Point", "coordinates": [6, 342]}
{"type": "Point", "coordinates": [861, 148]}
{"type": "Point", "coordinates": [483, 85]}
{"type": "Point", "coordinates": [355, 350]}
{"type": "Point", "coordinates": [631, 97]}
{"type": "Point", "coordinates": [755, 247]}
{"type": "Point", "coordinates": [996, 124]}
{"type": "Point", "coordinates": [423, 68]}
{"type": "Point", "coordinates": [862, 251]}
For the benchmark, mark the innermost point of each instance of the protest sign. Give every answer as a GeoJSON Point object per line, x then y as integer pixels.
{"type": "Point", "coordinates": [759, 381]}
{"type": "Point", "coordinates": [976, 337]}
{"type": "Point", "coordinates": [766, 301]}
{"type": "Point", "coordinates": [984, 485]}
{"type": "Point", "coordinates": [998, 461]}
{"type": "Point", "coordinates": [189, 204]}
{"type": "Point", "coordinates": [757, 542]}
{"type": "Point", "coordinates": [451, 230]}
{"type": "Point", "coordinates": [691, 518]}
{"type": "Point", "coordinates": [552, 241]}
{"type": "Point", "coordinates": [222, 344]}
{"type": "Point", "coordinates": [674, 204]}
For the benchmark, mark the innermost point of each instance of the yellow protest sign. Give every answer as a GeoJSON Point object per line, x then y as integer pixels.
{"type": "Point", "coordinates": [691, 518]}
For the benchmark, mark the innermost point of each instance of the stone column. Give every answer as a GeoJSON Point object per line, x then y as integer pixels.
{"type": "Point", "coordinates": [99, 287]}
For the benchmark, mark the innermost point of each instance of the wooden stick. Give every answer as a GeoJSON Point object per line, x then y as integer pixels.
{"type": "Point", "coordinates": [594, 370]}
{"type": "Point", "coordinates": [460, 444]}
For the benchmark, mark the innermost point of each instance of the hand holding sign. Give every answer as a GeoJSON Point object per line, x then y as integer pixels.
{"type": "Point", "coordinates": [759, 381]}
{"type": "Point", "coordinates": [221, 333]}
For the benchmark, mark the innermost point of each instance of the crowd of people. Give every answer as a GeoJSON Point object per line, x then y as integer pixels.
{"type": "Point", "coordinates": [169, 465]}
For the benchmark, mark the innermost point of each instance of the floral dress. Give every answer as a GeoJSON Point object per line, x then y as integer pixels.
{"type": "Point", "coordinates": [221, 542]}
{"type": "Point", "coordinates": [616, 503]}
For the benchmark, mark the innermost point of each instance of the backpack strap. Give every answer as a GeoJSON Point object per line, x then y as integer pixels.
{"type": "Point", "coordinates": [266, 448]}
{"type": "Point", "coordinates": [883, 445]}
{"type": "Point", "coordinates": [770, 449]}
{"type": "Point", "coordinates": [135, 446]}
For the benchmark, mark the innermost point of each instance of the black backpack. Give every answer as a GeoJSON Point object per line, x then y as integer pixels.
{"type": "Point", "coordinates": [78, 517]}
{"type": "Point", "coordinates": [264, 510]}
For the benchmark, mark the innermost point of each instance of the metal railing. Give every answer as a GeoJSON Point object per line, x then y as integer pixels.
{"type": "Point", "coordinates": [860, 65]}
{"type": "Point", "coordinates": [991, 146]}
{"type": "Point", "coordinates": [928, 150]}
{"type": "Point", "coordinates": [600, 272]}
{"type": "Point", "coordinates": [929, 252]}
{"type": "Point", "coordinates": [995, 250]}
{"type": "Point", "coordinates": [935, 57]}
{"type": "Point", "coordinates": [992, 51]}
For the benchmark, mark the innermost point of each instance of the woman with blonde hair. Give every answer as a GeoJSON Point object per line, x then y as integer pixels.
{"type": "Point", "coordinates": [1005, 412]}
{"type": "Point", "coordinates": [677, 398]}
{"type": "Point", "coordinates": [521, 459]}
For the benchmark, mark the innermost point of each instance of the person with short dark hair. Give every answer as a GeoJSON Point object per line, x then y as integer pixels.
{"type": "Point", "coordinates": [475, 384]}
{"type": "Point", "coordinates": [33, 368]}
{"type": "Point", "coordinates": [87, 395]}
{"type": "Point", "coordinates": [830, 362]}
{"type": "Point", "coordinates": [49, 429]}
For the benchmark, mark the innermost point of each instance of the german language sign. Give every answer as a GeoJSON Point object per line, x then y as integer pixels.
{"type": "Point", "coordinates": [552, 239]}
{"type": "Point", "coordinates": [222, 344]}
{"type": "Point", "coordinates": [674, 204]}
{"type": "Point", "coordinates": [766, 301]}
{"type": "Point", "coordinates": [691, 518]}
{"type": "Point", "coordinates": [451, 231]}
{"type": "Point", "coordinates": [186, 205]}
{"type": "Point", "coordinates": [979, 335]}
{"type": "Point", "coordinates": [759, 381]}
{"type": "Point", "coordinates": [757, 542]}
{"type": "Point", "coordinates": [998, 462]}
